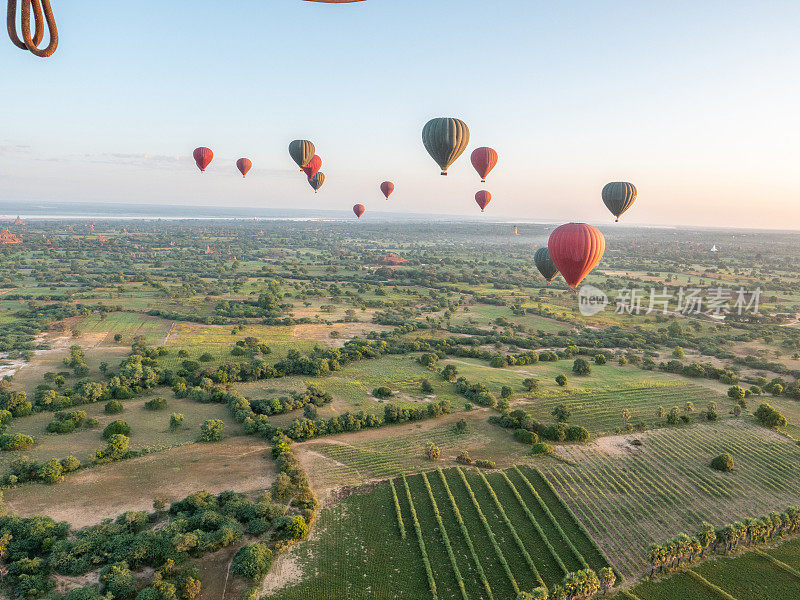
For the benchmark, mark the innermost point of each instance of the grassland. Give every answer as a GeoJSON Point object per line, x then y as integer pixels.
{"type": "Point", "coordinates": [486, 535]}
{"type": "Point", "coordinates": [629, 496]}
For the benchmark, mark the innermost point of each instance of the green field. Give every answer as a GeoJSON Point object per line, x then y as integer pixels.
{"type": "Point", "coordinates": [629, 497]}
{"type": "Point", "coordinates": [485, 535]}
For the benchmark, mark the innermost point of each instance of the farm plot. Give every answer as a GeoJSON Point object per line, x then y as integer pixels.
{"type": "Point", "coordinates": [749, 576]}
{"type": "Point", "coordinates": [450, 534]}
{"type": "Point", "coordinates": [630, 496]}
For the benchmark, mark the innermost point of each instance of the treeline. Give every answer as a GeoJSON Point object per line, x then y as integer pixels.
{"type": "Point", "coordinates": [520, 421]}
{"type": "Point", "coordinates": [684, 549]}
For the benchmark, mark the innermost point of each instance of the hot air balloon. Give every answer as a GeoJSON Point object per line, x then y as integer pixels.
{"type": "Point", "coordinates": [313, 166]}
{"type": "Point", "coordinates": [545, 264]}
{"type": "Point", "coordinates": [316, 181]}
{"type": "Point", "coordinates": [359, 210]}
{"type": "Point", "coordinates": [619, 196]}
{"type": "Point", "coordinates": [484, 160]}
{"type": "Point", "coordinates": [203, 157]}
{"type": "Point", "coordinates": [483, 198]}
{"type": "Point", "coordinates": [301, 152]}
{"type": "Point", "coordinates": [575, 249]}
{"type": "Point", "coordinates": [445, 140]}
{"type": "Point", "coordinates": [244, 165]}
{"type": "Point", "coordinates": [387, 187]}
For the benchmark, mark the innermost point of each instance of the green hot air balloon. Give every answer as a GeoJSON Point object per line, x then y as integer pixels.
{"type": "Point", "coordinates": [301, 152]}
{"type": "Point", "coordinates": [619, 196]}
{"type": "Point", "coordinates": [445, 139]}
{"type": "Point", "coordinates": [317, 180]}
{"type": "Point", "coordinates": [545, 264]}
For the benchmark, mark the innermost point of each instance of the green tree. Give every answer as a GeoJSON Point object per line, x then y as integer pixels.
{"type": "Point", "coordinates": [581, 366]}
{"type": "Point", "coordinates": [736, 392]}
{"type": "Point", "coordinates": [175, 421]}
{"type": "Point", "coordinates": [432, 451]}
{"type": "Point", "coordinates": [561, 380]}
{"type": "Point", "coordinates": [561, 413]}
{"type": "Point", "coordinates": [506, 391]}
{"type": "Point", "coordinates": [723, 462]}
{"type": "Point", "coordinates": [211, 430]}
{"type": "Point", "coordinates": [252, 561]}
{"type": "Point", "coordinates": [599, 359]}
{"type": "Point", "coordinates": [678, 352]}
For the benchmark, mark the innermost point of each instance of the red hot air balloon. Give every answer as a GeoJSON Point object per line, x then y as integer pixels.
{"type": "Point", "coordinates": [484, 160]}
{"type": "Point", "coordinates": [575, 249]}
{"type": "Point", "coordinates": [359, 210]}
{"type": "Point", "coordinates": [483, 198]}
{"type": "Point", "coordinates": [244, 165]}
{"type": "Point", "coordinates": [203, 157]}
{"type": "Point", "coordinates": [387, 187]}
{"type": "Point", "coordinates": [312, 167]}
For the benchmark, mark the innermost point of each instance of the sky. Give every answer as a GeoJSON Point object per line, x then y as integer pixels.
{"type": "Point", "coordinates": [696, 103]}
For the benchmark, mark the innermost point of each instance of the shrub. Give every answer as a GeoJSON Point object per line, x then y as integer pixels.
{"type": "Point", "coordinates": [581, 366]}
{"type": "Point", "coordinates": [211, 430]}
{"type": "Point", "coordinates": [114, 407]}
{"type": "Point", "coordinates": [116, 427]}
{"type": "Point", "coordinates": [432, 451]}
{"type": "Point", "coordinates": [205, 357]}
{"type": "Point", "coordinates": [599, 359]}
{"type": "Point", "coordinates": [252, 561]}
{"type": "Point", "coordinates": [156, 404]}
{"type": "Point", "coordinates": [449, 373]}
{"type": "Point", "coordinates": [5, 418]}
{"type": "Point", "coordinates": [16, 441]}
{"type": "Point", "coordinates": [461, 426]}
{"type": "Point", "coordinates": [561, 380]}
{"type": "Point", "coordinates": [769, 417]}
{"type": "Point", "coordinates": [555, 433]}
{"type": "Point", "coordinates": [175, 421]}
{"type": "Point", "coordinates": [60, 427]}
{"type": "Point", "coordinates": [736, 392]}
{"type": "Point", "coordinates": [576, 433]}
{"type": "Point", "coordinates": [382, 392]}
{"type": "Point", "coordinates": [506, 391]}
{"type": "Point", "coordinates": [525, 436]}
{"type": "Point", "coordinates": [51, 471]}
{"type": "Point", "coordinates": [118, 581]}
{"type": "Point", "coordinates": [485, 464]}
{"type": "Point", "coordinates": [426, 387]}
{"type": "Point", "coordinates": [464, 458]}
{"type": "Point", "coordinates": [70, 464]}
{"type": "Point", "coordinates": [541, 448]}
{"type": "Point", "coordinates": [723, 462]}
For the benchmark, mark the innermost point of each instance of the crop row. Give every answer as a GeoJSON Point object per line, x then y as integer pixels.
{"type": "Point", "coordinates": [666, 486]}
{"type": "Point", "coordinates": [423, 552]}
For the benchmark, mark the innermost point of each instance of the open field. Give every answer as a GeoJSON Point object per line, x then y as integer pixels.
{"type": "Point", "coordinates": [486, 535]}
{"type": "Point", "coordinates": [148, 428]}
{"type": "Point", "coordinates": [237, 463]}
{"type": "Point", "coordinates": [629, 497]}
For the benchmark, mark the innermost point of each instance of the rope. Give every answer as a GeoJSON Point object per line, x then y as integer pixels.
{"type": "Point", "coordinates": [41, 12]}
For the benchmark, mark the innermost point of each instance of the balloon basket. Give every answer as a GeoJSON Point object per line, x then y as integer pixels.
{"type": "Point", "coordinates": [444, 173]}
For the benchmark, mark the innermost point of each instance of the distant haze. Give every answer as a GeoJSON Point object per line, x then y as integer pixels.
{"type": "Point", "coordinates": [695, 103]}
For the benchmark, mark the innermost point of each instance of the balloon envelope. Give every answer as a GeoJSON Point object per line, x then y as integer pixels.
{"type": "Point", "coordinates": [203, 157]}
{"type": "Point", "coordinates": [359, 210]}
{"type": "Point", "coordinates": [316, 181]}
{"type": "Point", "coordinates": [484, 160]}
{"type": "Point", "coordinates": [483, 198]}
{"type": "Point", "coordinates": [445, 139]}
{"type": "Point", "coordinates": [618, 197]}
{"type": "Point", "coordinates": [313, 166]}
{"type": "Point", "coordinates": [576, 248]}
{"type": "Point", "coordinates": [301, 152]}
{"type": "Point", "coordinates": [244, 165]}
{"type": "Point", "coordinates": [545, 264]}
{"type": "Point", "coordinates": [387, 187]}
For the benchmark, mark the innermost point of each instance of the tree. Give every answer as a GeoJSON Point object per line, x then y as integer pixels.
{"type": "Point", "coordinates": [736, 392]}
{"type": "Point", "coordinates": [426, 387]}
{"type": "Point", "coordinates": [678, 352]}
{"type": "Point", "coordinates": [661, 413]}
{"type": "Point", "coordinates": [113, 407]}
{"type": "Point", "coordinates": [723, 462]}
{"type": "Point", "coordinates": [769, 417]}
{"type": "Point", "coordinates": [673, 416]}
{"type": "Point", "coordinates": [706, 536]}
{"type": "Point", "coordinates": [581, 366]}
{"type": "Point", "coordinates": [432, 451]}
{"type": "Point", "coordinates": [561, 413]}
{"type": "Point", "coordinates": [626, 415]}
{"type": "Point", "coordinates": [116, 427]}
{"type": "Point", "coordinates": [461, 426]}
{"type": "Point", "coordinates": [51, 471]}
{"type": "Point", "coordinates": [599, 359]}
{"type": "Point", "coordinates": [211, 430]}
{"type": "Point", "coordinates": [530, 384]}
{"type": "Point", "coordinates": [607, 578]}
{"type": "Point", "coordinates": [175, 421]}
{"type": "Point", "coordinates": [674, 330]}
{"type": "Point", "coordinates": [506, 391]}
{"type": "Point", "coordinates": [561, 380]}
{"type": "Point", "coordinates": [449, 373]}
{"type": "Point", "coordinates": [252, 561]}
{"type": "Point", "coordinates": [118, 580]}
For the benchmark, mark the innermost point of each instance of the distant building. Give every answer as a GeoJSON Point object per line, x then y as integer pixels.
{"type": "Point", "coordinates": [6, 237]}
{"type": "Point", "coordinates": [392, 259]}
{"type": "Point", "coordinates": [714, 248]}
{"type": "Point", "coordinates": [18, 221]}
{"type": "Point", "coordinates": [101, 238]}
{"type": "Point", "coordinates": [515, 230]}
{"type": "Point", "coordinates": [208, 250]}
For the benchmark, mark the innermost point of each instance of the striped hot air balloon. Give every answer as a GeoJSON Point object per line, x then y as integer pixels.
{"type": "Point", "coordinates": [484, 160]}
{"type": "Point", "coordinates": [483, 198]}
{"type": "Point", "coordinates": [387, 187]}
{"type": "Point", "coordinates": [301, 152]}
{"type": "Point", "coordinates": [576, 248]}
{"type": "Point", "coordinates": [244, 165]}
{"type": "Point", "coordinates": [203, 157]}
{"type": "Point", "coordinates": [445, 139]}
{"type": "Point", "coordinates": [618, 197]}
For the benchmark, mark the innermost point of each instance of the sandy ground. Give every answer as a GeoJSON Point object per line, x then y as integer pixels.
{"type": "Point", "coordinates": [91, 495]}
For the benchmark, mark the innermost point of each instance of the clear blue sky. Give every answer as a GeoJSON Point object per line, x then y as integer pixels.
{"type": "Point", "coordinates": [695, 102]}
